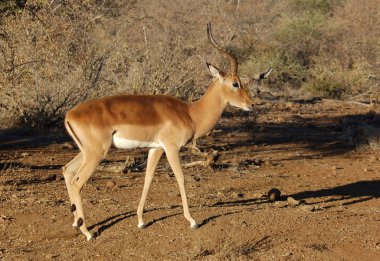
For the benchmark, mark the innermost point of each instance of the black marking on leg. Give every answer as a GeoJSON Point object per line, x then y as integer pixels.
{"type": "Point", "coordinates": [113, 133]}
{"type": "Point", "coordinates": [73, 208]}
{"type": "Point", "coordinates": [80, 222]}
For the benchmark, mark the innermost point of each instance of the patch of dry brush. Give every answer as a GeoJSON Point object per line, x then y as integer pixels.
{"type": "Point", "coordinates": [55, 54]}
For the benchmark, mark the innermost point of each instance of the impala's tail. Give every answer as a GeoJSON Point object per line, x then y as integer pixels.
{"type": "Point", "coordinates": [73, 135]}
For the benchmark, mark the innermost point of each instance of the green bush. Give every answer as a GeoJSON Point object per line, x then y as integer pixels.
{"type": "Point", "coordinates": [299, 37]}
{"type": "Point", "coordinates": [318, 6]}
{"type": "Point", "coordinates": [54, 54]}
{"type": "Point", "coordinates": [325, 87]}
{"type": "Point", "coordinates": [49, 67]}
{"type": "Point", "coordinates": [288, 72]}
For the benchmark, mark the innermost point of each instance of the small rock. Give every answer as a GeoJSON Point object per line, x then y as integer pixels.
{"type": "Point", "coordinates": [59, 178]}
{"type": "Point", "coordinates": [267, 163]}
{"type": "Point", "coordinates": [287, 254]}
{"type": "Point", "coordinates": [110, 184]}
{"type": "Point", "coordinates": [258, 195]}
{"type": "Point", "coordinates": [289, 104]}
{"type": "Point", "coordinates": [68, 145]}
{"type": "Point", "coordinates": [373, 158]}
{"type": "Point", "coordinates": [237, 195]}
{"type": "Point", "coordinates": [51, 256]}
{"type": "Point", "coordinates": [297, 105]}
{"type": "Point", "coordinates": [115, 168]}
{"type": "Point", "coordinates": [308, 208]}
{"type": "Point", "coordinates": [293, 202]}
{"type": "Point", "coordinates": [297, 119]}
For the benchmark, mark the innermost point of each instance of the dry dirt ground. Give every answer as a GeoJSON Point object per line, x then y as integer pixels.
{"type": "Point", "coordinates": [323, 154]}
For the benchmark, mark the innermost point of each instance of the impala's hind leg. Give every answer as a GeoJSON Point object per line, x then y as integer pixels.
{"type": "Point", "coordinates": [69, 171]}
{"type": "Point", "coordinates": [88, 166]}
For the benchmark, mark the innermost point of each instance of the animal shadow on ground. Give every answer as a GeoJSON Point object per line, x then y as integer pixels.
{"type": "Point", "coordinates": [351, 193]}
{"type": "Point", "coordinates": [113, 220]}
{"type": "Point", "coordinates": [207, 220]}
{"type": "Point", "coordinates": [354, 192]}
{"type": "Point", "coordinates": [110, 221]}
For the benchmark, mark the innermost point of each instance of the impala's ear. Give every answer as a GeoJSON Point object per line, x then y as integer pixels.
{"type": "Point", "coordinates": [263, 75]}
{"type": "Point", "coordinates": [215, 72]}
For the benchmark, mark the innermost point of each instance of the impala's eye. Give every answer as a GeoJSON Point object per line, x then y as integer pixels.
{"type": "Point", "coordinates": [235, 84]}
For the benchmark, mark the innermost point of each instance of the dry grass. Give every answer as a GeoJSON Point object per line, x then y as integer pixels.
{"type": "Point", "coordinates": [228, 249]}
{"type": "Point", "coordinates": [55, 54]}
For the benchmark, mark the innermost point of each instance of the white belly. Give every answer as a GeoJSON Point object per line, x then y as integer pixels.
{"type": "Point", "coordinates": [121, 143]}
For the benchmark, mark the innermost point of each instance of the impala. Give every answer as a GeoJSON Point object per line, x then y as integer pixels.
{"type": "Point", "coordinates": [159, 122]}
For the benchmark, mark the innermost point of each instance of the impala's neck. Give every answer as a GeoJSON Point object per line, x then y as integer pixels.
{"type": "Point", "coordinates": [207, 110]}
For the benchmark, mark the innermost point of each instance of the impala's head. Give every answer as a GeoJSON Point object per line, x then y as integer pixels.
{"type": "Point", "coordinates": [232, 89]}
{"type": "Point", "coordinates": [230, 84]}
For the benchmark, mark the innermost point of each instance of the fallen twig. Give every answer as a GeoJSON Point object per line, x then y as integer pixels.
{"type": "Point", "coordinates": [211, 159]}
{"type": "Point", "coordinates": [353, 102]}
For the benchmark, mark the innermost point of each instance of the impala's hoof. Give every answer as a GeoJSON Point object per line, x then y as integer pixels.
{"type": "Point", "coordinates": [194, 226]}
{"type": "Point", "coordinates": [90, 237]}
{"type": "Point", "coordinates": [141, 226]}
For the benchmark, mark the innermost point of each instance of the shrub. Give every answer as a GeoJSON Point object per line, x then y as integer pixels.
{"type": "Point", "coordinates": [51, 66]}
{"type": "Point", "coordinates": [288, 72]}
{"type": "Point", "coordinates": [55, 54]}
{"type": "Point", "coordinates": [325, 87]}
{"type": "Point", "coordinates": [316, 6]}
{"type": "Point", "coordinates": [44, 74]}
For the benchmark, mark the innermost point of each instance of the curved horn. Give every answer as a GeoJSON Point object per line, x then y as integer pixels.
{"type": "Point", "coordinates": [233, 59]}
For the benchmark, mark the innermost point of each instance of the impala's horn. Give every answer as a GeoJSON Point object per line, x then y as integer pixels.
{"type": "Point", "coordinates": [231, 57]}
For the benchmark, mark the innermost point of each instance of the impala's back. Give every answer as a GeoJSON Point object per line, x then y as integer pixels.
{"type": "Point", "coordinates": [130, 120]}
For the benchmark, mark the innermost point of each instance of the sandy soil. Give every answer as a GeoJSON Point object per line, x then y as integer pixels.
{"type": "Point", "coordinates": [323, 154]}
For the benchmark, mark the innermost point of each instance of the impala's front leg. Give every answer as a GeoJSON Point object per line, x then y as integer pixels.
{"type": "Point", "coordinates": [172, 153]}
{"type": "Point", "coordinates": [153, 158]}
